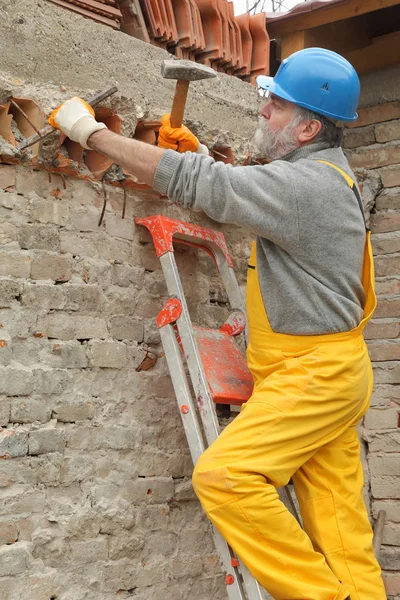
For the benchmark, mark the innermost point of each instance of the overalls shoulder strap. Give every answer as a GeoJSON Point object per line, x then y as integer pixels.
{"type": "Point", "coordinates": [351, 185]}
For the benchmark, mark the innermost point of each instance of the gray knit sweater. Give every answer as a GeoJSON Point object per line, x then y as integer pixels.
{"type": "Point", "coordinates": [309, 228]}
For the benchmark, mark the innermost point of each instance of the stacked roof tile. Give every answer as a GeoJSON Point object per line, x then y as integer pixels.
{"type": "Point", "coordinates": [204, 31]}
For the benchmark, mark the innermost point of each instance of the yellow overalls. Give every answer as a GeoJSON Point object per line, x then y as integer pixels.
{"type": "Point", "coordinates": [300, 422]}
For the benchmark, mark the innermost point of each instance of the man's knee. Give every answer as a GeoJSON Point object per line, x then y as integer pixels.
{"type": "Point", "coordinates": [210, 482]}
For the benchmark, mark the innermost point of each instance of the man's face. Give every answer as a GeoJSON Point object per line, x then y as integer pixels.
{"type": "Point", "coordinates": [276, 134]}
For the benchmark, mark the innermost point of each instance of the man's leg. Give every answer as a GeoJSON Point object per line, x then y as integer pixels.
{"type": "Point", "coordinates": [329, 490]}
{"type": "Point", "coordinates": [236, 478]}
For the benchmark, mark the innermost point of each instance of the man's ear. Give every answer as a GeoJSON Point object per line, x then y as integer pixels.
{"type": "Point", "coordinates": [308, 130]}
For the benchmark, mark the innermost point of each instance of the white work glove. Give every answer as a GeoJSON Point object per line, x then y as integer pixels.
{"type": "Point", "coordinates": [76, 119]}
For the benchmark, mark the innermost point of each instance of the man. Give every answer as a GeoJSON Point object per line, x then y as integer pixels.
{"type": "Point", "coordinates": [310, 293]}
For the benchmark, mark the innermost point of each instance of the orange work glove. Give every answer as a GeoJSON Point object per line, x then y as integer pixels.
{"type": "Point", "coordinates": [180, 139]}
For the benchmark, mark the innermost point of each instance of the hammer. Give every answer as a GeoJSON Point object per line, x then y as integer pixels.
{"type": "Point", "coordinates": [184, 71]}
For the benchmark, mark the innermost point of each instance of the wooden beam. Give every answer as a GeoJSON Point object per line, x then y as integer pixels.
{"type": "Point", "coordinates": [341, 37]}
{"type": "Point", "coordinates": [322, 16]}
{"type": "Point", "coordinates": [383, 52]}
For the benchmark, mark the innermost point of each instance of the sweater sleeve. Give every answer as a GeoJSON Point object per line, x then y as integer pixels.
{"type": "Point", "coordinates": [261, 198]}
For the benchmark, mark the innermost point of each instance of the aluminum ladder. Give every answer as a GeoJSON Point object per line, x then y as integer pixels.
{"type": "Point", "coordinates": [217, 369]}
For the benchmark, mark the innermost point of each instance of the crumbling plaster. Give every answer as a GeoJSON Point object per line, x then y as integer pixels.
{"type": "Point", "coordinates": [51, 53]}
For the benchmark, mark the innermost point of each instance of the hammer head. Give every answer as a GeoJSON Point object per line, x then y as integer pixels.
{"type": "Point", "coordinates": [185, 69]}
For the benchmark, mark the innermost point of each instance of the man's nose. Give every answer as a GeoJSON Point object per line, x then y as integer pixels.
{"type": "Point", "coordinates": [265, 111]}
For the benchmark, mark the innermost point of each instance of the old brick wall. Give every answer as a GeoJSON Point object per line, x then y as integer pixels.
{"type": "Point", "coordinates": [373, 147]}
{"type": "Point", "coordinates": [95, 493]}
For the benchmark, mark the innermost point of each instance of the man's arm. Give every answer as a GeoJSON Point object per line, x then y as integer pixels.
{"type": "Point", "coordinates": [135, 157]}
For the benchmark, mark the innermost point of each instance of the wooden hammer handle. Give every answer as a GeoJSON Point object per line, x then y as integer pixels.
{"type": "Point", "coordinates": [178, 104]}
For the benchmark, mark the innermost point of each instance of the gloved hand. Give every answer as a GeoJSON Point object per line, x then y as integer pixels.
{"type": "Point", "coordinates": [76, 119]}
{"type": "Point", "coordinates": [180, 138]}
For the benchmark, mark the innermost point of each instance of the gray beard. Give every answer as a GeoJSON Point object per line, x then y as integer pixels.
{"type": "Point", "coordinates": [275, 144]}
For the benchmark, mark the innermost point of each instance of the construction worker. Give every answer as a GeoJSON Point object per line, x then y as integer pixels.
{"type": "Point", "coordinates": [310, 293]}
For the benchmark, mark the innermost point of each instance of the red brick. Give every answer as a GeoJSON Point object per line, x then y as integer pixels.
{"type": "Point", "coordinates": [376, 156]}
{"type": "Point", "coordinates": [361, 136]}
{"type": "Point", "coordinates": [387, 287]}
{"type": "Point", "coordinates": [388, 308]}
{"type": "Point", "coordinates": [390, 176]}
{"type": "Point", "coordinates": [377, 114]}
{"type": "Point", "coordinates": [382, 329]}
{"type": "Point", "coordinates": [388, 132]}
{"type": "Point", "coordinates": [387, 265]}
{"type": "Point", "coordinates": [383, 222]}
{"type": "Point", "coordinates": [388, 199]}
{"type": "Point", "coordinates": [384, 350]}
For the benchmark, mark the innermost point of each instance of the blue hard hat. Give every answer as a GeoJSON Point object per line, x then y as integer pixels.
{"type": "Point", "coordinates": [319, 80]}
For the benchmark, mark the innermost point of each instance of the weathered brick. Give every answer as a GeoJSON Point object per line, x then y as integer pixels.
{"type": "Point", "coordinates": [391, 508]}
{"type": "Point", "coordinates": [384, 442]}
{"type": "Point", "coordinates": [389, 558]}
{"type": "Point", "coordinates": [388, 199]}
{"type": "Point", "coordinates": [383, 222]}
{"type": "Point", "coordinates": [67, 355]}
{"type": "Point", "coordinates": [119, 228]}
{"type": "Point", "coordinates": [387, 287]}
{"type": "Point", "coordinates": [7, 176]}
{"type": "Point", "coordinates": [52, 381]}
{"type": "Point", "coordinates": [113, 437]}
{"type": "Point", "coordinates": [124, 275]}
{"type": "Point", "coordinates": [43, 441]}
{"type": "Point", "coordinates": [48, 211]}
{"type": "Point", "coordinates": [392, 585]}
{"type": "Point", "coordinates": [90, 551]}
{"type": "Point", "coordinates": [389, 307]}
{"type": "Point", "coordinates": [68, 327]}
{"type": "Point", "coordinates": [391, 531]}
{"type": "Point", "coordinates": [95, 245]}
{"type": "Point", "coordinates": [8, 233]}
{"type": "Point", "coordinates": [126, 328]}
{"type": "Point", "coordinates": [382, 329]}
{"type": "Point", "coordinates": [385, 486]}
{"type": "Point", "coordinates": [158, 490]}
{"type": "Point", "coordinates": [384, 464]}
{"type": "Point", "coordinates": [56, 268]}
{"type": "Point", "coordinates": [360, 136]}
{"type": "Point", "coordinates": [28, 410]}
{"type": "Point", "coordinates": [390, 176]}
{"type": "Point", "coordinates": [85, 298]}
{"type": "Point", "coordinates": [377, 114]}
{"type": "Point", "coordinates": [21, 499]}
{"type": "Point", "coordinates": [375, 156]}
{"type": "Point", "coordinates": [8, 532]}
{"type": "Point", "coordinates": [13, 443]}
{"type": "Point", "coordinates": [15, 264]}
{"type": "Point", "coordinates": [16, 381]}
{"type": "Point", "coordinates": [76, 409]}
{"type": "Point", "coordinates": [382, 418]}
{"type": "Point", "coordinates": [385, 395]}
{"type": "Point", "coordinates": [125, 546]}
{"type": "Point", "coordinates": [107, 354]}
{"type": "Point", "coordinates": [14, 559]}
{"type": "Point", "coordinates": [43, 295]}
{"type": "Point", "coordinates": [9, 290]}
{"type": "Point", "coordinates": [39, 237]}
{"type": "Point", "coordinates": [184, 491]}
{"type": "Point", "coordinates": [120, 301]}
{"type": "Point", "coordinates": [84, 219]}
{"type": "Point", "coordinates": [384, 350]}
{"type": "Point", "coordinates": [388, 132]}
{"type": "Point", "coordinates": [4, 410]}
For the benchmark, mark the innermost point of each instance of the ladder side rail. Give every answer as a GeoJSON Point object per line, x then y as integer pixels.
{"type": "Point", "coordinates": [182, 391]}
{"type": "Point", "coordinates": [195, 441]}
{"type": "Point", "coordinates": [192, 354]}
